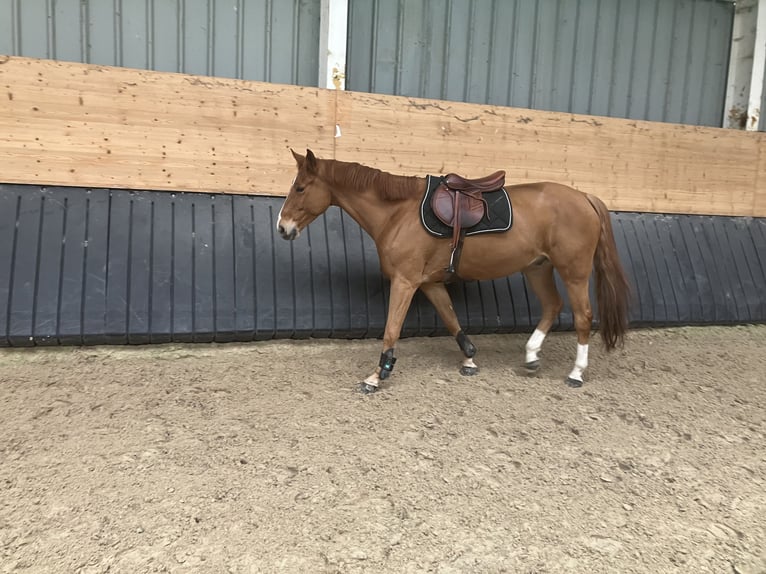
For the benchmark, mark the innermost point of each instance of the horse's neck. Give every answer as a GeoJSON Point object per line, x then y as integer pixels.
{"type": "Point", "coordinates": [370, 209]}
{"type": "Point", "coordinates": [366, 208]}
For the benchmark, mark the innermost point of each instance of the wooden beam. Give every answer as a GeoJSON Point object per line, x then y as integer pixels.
{"type": "Point", "coordinates": [631, 165]}
{"type": "Point", "coordinates": [96, 126]}
{"type": "Point", "coordinates": [759, 200]}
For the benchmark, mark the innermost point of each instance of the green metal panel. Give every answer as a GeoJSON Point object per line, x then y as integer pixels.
{"type": "Point", "coordinates": [661, 60]}
{"type": "Point", "coordinates": [266, 40]}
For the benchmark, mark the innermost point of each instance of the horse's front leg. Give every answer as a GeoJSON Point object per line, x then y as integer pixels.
{"type": "Point", "coordinates": [439, 297]}
{"type": "Point", "coordinates": [399, 301]}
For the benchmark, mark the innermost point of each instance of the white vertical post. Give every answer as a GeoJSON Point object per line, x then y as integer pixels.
{"type": "Point", "coordinates": [332, 44]}
{"type": "Point", "coordinates": [740, 64]}
{"type": "Point", "coordinates": [759, 67]}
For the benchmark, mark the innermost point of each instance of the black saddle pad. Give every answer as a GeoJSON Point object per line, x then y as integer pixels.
{"type": "Point", "coordinates": [498, 218]}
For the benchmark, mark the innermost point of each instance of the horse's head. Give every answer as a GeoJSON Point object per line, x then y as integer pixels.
{"type": "Point", "coordinates": [309, 197]}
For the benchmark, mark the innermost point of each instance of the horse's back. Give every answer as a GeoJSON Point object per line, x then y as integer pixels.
{"type": "Point", "coordinates": [544, 189]}
{"type": "Point", "coordinates": [550, 204]}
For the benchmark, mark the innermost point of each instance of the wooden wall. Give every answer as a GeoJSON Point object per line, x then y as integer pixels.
{"type": "Point", "coordinates": [82, 125]}
{"type": "Point", "coordinates": [73, 124]}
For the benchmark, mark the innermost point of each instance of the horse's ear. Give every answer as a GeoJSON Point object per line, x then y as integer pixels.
{"type": "Point", "coordinates": [299, 159]}
{"type": "Point", "coordinates": [311, 161]}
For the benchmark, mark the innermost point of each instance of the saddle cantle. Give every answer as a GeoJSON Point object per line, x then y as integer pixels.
{"type": "Point", "coordinates": [458, 202]}
{"type": "Point", "coordinates": [491, 182]}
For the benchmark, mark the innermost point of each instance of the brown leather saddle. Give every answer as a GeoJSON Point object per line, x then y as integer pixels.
{"type": "Point", "coordinates": [459, 203]}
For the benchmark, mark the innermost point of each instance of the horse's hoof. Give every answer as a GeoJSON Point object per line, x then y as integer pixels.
{"type": "Point", "coordinates": [532, 367]}
{"type": "Point", "coordinates": [367, 389]}
{"type": "Point", "coordinates": [573, 383]}
{"type": "Point", "coordinates": [468, 371]}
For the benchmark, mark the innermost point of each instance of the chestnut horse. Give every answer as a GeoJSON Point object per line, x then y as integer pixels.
{"type": "Point", "coordinates": [554, 226]}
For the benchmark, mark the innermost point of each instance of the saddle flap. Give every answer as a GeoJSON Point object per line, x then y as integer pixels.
{"type": "Point", "coordinates": [443, 204]}
{"type": "Point", "coordinates": [470, 209]}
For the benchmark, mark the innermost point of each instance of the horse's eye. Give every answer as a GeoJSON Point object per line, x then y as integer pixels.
{"type": "Point", "coordinates": [299, 189]}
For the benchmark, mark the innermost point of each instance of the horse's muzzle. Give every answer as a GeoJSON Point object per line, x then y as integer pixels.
{"type": "Point", "coordinates": [290, 234]}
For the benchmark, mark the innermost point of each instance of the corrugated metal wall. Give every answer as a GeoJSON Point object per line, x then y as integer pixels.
{"type": "Point", "coordinates": [661, 60]}
{"type": "Point", "coordinates": [265, 40]}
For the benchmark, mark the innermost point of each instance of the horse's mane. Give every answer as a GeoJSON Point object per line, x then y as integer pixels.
{"type": "Point", "coordinates": [357, 176]}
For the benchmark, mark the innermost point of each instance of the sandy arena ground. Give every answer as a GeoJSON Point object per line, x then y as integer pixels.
{"type": "Point", "coordinates": [263, 457]}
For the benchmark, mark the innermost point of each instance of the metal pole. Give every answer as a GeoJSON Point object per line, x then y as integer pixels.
{"type": "Point", "coordinates": [759, 67]}
{"type": "Point", "coordinates": [333, 29]}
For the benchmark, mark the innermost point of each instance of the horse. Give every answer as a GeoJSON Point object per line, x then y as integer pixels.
{"type": "Point", "coordinates": [554, 227]}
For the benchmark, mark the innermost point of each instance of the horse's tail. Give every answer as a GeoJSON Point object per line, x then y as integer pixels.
{"type": "Point", "coordinates": [612, 287]}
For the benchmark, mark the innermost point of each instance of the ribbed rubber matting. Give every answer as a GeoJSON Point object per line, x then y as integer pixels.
{"type": "Point", "coordinates": [91, 266]}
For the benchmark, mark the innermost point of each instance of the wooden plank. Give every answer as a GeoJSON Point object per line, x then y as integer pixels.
{"type": "Point", "coordinates": [82, 125]}
{"type": "Point", "coordinates": [759, 199]}
{"type": "Point", "coordinates": [631, 165]}
{"type": "Point", "coordinates": [96, 126]}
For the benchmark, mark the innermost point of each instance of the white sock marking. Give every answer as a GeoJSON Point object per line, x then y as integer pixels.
{"type": "Point", "coordinates": [581, 363]}
{"type": "Point", "coordinates": [534, 344]}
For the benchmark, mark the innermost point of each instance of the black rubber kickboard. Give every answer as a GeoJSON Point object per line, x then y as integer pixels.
{"type": "Point", "coordinates": [100, 266]}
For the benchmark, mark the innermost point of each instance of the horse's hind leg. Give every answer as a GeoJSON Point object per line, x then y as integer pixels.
{"type": "Point", "coordinates": [439, 297]}
{"type": "Point", "coordinates": [583, 320]}
{"type": "Point", "coordinates": [540, 279]}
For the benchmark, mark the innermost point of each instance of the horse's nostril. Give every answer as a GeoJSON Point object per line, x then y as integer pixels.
{"type": "Point", "coordinates": [281, 229]}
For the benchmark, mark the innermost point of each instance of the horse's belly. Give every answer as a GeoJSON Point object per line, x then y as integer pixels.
{"type": "Point", "coordinates": [493, 256]}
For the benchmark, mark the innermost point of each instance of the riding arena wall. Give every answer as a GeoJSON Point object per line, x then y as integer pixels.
{"type": "Point", "coordinates": [140, 207]}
